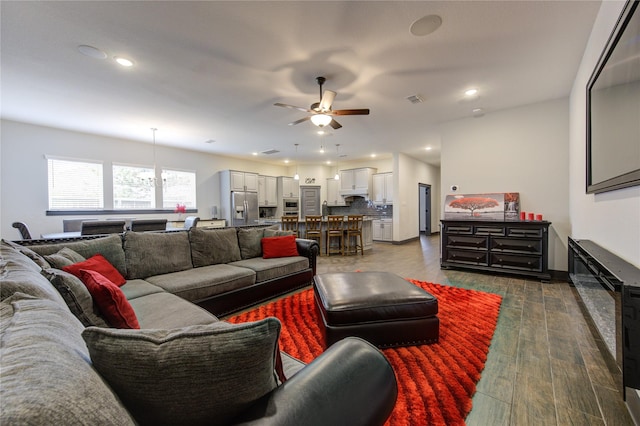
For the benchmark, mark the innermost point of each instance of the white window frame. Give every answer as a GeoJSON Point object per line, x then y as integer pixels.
{"type": "Point", "coordinates": [189, 200]}
{"type": "Point", "coordinates": [73, 185]}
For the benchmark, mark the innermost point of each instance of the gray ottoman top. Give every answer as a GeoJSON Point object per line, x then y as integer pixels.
{"type": "Point", "coordinates": [353, 297]}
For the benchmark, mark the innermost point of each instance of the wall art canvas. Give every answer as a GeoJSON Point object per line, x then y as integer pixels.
{"type": "Point", "coordinates": [490, 206]}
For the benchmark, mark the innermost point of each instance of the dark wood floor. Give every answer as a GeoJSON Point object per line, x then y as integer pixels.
{"type": "Point", "coordinates": [543, 367]}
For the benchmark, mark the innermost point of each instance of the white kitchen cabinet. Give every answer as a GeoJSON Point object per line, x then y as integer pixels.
{"type": "Point", "coordinates": [382, 230]}
{"type": "Point", "coordinates": [243, 181]}
{"type": "Point", "coordinates": [356, 181]}
{"type": "Point", "coordinates": [333, 193]}
{"type": "Point", "coordinates": [267, 191]}
{"type": "Point", "coordinates": [383, 188]}
{"type": "Point", "coordinates": [288, 187]}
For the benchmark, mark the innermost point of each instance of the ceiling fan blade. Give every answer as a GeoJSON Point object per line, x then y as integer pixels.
{"type": "Point", "coordinates": [302, 120]}
{"type": "Point", "coordinates": [335, 124]}
{"type": "Point", "coordinates": [293, 107]}
{"type": "Point", "coordinates": [327, 100]}
{"type": "Point", "coordinates": [363, 111]}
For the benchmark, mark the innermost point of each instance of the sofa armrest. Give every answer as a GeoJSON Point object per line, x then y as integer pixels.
{"type": "Point", "coordinates": [309, 249]}
{"type": "Point", "coordinates": [352, 383]}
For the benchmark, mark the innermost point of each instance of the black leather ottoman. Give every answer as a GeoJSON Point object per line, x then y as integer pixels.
{"type": "Point", "coordinates": [379, 307]}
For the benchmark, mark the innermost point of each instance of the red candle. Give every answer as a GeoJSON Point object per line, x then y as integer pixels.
{"type": "Point", "coordinates": [530, 216]}
{"type": "Point", "coordinates": [538, 217]}
{"type": "Point", "coordinates": [523, 215]}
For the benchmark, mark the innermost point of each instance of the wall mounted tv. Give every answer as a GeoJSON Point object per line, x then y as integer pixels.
{"type": "Point", "coordinates": [613, 108]}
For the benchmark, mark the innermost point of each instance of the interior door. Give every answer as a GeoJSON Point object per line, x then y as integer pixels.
{"type": "Point", "coordinates": [425, 208]}
{"type": "Point", "coordinates": [310, 201]}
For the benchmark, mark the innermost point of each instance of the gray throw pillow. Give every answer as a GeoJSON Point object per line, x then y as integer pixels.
{"type": "Point", "coordinates": [47, 377]}
{"type": "Point", "coordinates": [76, 296]}
{"type": "Point", "coordinates": [249, 240]}
{"type": "Point", "coordinates": [64, 257]}
{"type": "Point", "coordinates": [201, 374]}
{"type": "Point", "coordinates": [214, 246]}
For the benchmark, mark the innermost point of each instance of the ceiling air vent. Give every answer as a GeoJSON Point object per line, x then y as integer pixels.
{"type": "Point", "coordinates": [415, 99]}
{"type": "Point", "coordinates": [270, 151]}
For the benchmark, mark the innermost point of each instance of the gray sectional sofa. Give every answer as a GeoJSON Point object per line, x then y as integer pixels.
{"type": "Point", "coordinates": [61, 362]}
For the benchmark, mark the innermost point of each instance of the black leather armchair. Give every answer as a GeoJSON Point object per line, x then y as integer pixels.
{"type": "Point", "coordinates": [351, 383]}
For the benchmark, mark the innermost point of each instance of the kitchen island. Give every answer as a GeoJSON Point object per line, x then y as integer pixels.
{"type": "Point", "coordinates": [367, 234]}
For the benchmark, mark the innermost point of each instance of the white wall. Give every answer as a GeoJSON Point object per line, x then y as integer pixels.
{"type": "Point", "coordinates": [23, 172]}
{"type": "Point", "coordinates": [523, 150]}
{"type": "Point", "coordinates": [610, 219]}
{"type": "Point", "coordinates": [408, 173]}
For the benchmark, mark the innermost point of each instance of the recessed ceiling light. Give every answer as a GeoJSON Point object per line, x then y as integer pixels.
{"type": "Point", "coordinates": [373, 156]}
{"type": "Point", "coordinates": [124, 61]}
{"type": "Point", "coordinates": [425, 25]}
{"type": "Point", "coordinates": [254, 153]}
{"type": "Point", "coordinates": [478, 112]}
{"type": "Point", "coordinates": [471, 92]}
{"type": "Point", "coordinates": [428, 148]}
{"type": "Point", "coordinates": [91, 51]}
{"type": "Point", "coordinates": [286, 161]}
{"type": "Point", "coordinates": [328, 161]}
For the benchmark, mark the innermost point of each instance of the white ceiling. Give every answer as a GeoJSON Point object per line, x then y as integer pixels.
{"type": "Point", "coordinates": [213, 69]}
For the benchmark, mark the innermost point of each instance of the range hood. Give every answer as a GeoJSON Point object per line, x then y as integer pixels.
{"type": "Point", "coordinates": [349, 199]}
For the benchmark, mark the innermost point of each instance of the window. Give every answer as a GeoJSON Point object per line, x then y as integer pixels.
{"type": "Point", "coordinates": [75, 184]}
{"type": "Point", "coordinates": [133, 187]}
{"type": "Point", "coordinates": [179, 187]}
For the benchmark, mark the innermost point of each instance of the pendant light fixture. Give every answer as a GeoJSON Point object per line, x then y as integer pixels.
{"type": "Point", "coordinates": [149, 178]}
{"type": "Point", "coordinates": [296, 176]}
{"type": "Point", "coordinates": [337, 175]}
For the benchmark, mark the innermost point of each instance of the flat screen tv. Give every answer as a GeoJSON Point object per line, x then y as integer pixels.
{"type": "Point", "coordinates": [613, 109]}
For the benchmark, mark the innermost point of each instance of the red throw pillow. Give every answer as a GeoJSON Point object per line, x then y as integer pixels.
{"type": "Point", "coordinates": [111, 301]}
{"type": "Point", "coordinates": [97, 263]}
{"type": "Point", "coordinates": [279, 246]}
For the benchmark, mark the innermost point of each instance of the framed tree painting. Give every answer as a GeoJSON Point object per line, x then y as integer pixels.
{"type": "Point", "coordinates": [491, 206]}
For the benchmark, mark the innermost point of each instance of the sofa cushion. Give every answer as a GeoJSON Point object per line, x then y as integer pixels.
{"type": "Point", "coordinates": [203, 374]}
{"type": "Point", "coordinates": [206, 281]}
{"type": "Point", "coordinates": [268, 269]}
{"type": "Point", "coordinates": [110, 300]}
{"type": "Point", "coordinates": [47, 377]}
{"type": "Point", "coordinates": [249, 242]}
{"type": "Point", "coordinates": [110, 247]}
{"type": "Point", "coordinates": [165, 310]}
{"type": "Point", "coordinates": [284, 246]}
{"type": "Point", "coordinates": [35, 257]}
{"type": "Point", "coordinates": [99, 264]}
{"type": "Point", "coordinates": [64, 257]}
{"type": "Point", "coordinates": [154, 253]}
{"type": "Point", "coordinates": [214, 246]}
{"type": "Point", "coordinates": [138, 288]}
{"type": "Point", "coordinates": [76, 295]}
{"type": "Point", "coordinates": [277, 233]}
{"type": "Point", "coordinates": [20, 274]}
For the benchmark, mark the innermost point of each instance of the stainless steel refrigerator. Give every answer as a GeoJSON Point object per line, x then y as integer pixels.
{"type": "Point", "coordinates": [244, 208]}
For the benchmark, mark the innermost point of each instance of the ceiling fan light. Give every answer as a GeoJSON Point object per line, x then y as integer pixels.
{"type": "Point", "coordinates": [321, 120]}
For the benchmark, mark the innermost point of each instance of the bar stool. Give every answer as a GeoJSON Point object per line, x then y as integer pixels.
{"type": "Point", "coordinates": [354, 230]}
{"type": "Point", "coordinates": [290, 223]}
{"type": "Point", "coordinates": [335, 229]}
{"type": "Point", "coordinates": [313, 229]}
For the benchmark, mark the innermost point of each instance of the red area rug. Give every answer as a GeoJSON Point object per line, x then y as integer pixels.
{"type": "Point", "coordinates": [435, 382]}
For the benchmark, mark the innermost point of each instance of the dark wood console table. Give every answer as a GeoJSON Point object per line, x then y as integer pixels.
{"type": "Point", "coordinates": [514, 247]}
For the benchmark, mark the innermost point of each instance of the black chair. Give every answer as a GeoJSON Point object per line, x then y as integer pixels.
{"type": "Point", "coordinates": [142, 225]}
{"type": "Point", "coordinates": [24, 231]}
{"type": "Point", "coordinates": [97, 227]}
{"type": "Point", "coordinates": [191, 222]}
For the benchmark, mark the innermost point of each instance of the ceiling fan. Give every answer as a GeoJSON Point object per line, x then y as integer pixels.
{"type": "Point", "coordinates": [321, 113]}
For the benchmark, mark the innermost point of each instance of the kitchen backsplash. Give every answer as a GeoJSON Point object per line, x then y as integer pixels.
{"type": "Point", "coordinates": [361, 206]}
